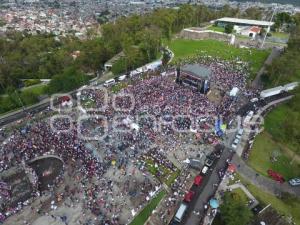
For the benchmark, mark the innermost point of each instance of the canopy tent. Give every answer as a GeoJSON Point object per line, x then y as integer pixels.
{"type": "Point", "coordinates": [214, 203]}
{"type": "Point", "coordinates": [234, 91]}
{"type": "Point", "coordinates": [231, 168]}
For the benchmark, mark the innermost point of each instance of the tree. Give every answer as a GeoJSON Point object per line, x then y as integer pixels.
{"type": "Point", "coordinates": [234, 211]}
{"type": "Point", "coordinates": [69, 80]}
{"type": "Point", "coordinates": [228, 28]}
{"type": "Point", "coordinates": [253, 13]}
{"type": "Point", "coordinates": [282, 18]}
{"type": "Point", "coordinates": [186, 15]}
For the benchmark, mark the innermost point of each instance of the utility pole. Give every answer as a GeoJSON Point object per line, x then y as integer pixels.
{"type": "Point", "coordinates": [269, 27]}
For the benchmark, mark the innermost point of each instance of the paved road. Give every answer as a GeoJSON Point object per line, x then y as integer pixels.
{"type": "Point", "coordinates": [206, 191]}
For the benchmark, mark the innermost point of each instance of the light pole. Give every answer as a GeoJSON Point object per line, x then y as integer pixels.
{"type": "Point", "coordinates": [269, 27]}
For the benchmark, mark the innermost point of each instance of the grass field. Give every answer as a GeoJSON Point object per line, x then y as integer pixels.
{"type": "Point", "coordinates": [216, 28]}
{"type": "Point", "coordinates": [118, 87]}
{"type": "Point", "coordinates": [288, 207]}
{"type": "Point", "coordinates": [166, 176]}
{"type": "Point", "coordinates": [183, 48]}
{"type": "Point", "coordinates": [274, 124]}
{"type": "Point", "coordinates": [280, 35]}
{"type": "Point", "coordinates": [36, 89]}
{"type": "Point", "coordinates": [241, 195]}
{"type": "Point", "coordinates": [264, 149]}
{"type": "Point", "coordinates": [142, 217]}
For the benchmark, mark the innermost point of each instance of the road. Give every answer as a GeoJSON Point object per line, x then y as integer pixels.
{"type": "Point", "coordinates": [256, 83]}
{"type": "Point", "coordinates": [39, 107]}
{"type": "Point", "coordinates": [205, 191]}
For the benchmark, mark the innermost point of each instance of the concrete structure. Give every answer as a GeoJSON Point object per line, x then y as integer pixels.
{"type": "Point", "coordinates": [243, 22]}
{"type": "Point", "coordinates": [194, 33]}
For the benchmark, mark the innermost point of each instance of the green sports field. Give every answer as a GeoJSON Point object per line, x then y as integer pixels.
{"type": "Point", "coordinates": [183, 48]}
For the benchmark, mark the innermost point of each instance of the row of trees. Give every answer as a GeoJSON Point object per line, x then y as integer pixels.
{"type": "Point", "coordinates": [25, 56]}
{"type": "Point", "coordinates": [43, 56]}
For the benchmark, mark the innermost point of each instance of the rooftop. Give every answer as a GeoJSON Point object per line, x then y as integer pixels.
{"type": "Point", "coordinates": [245, 21]}
{"type": "Point", "coordinates": [197, 70]}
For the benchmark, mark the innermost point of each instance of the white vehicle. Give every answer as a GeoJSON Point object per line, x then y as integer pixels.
{"type": "Point", "coordinates": [248, 117]}
{"type": "Point", "coordinates": [109, 82]}
{"type": "Point", "coordinates": [254, 100]}
{"type": "Point", "coordinates": [272, 91]}
{"type": "Point", "coordinates": [180, 212]}
{"type": "Point", "coordinates": [123, 77]}
{"type": "Point", "coordinates": [240, 133]}
{"type": "Point", "coordinates": [204, 170]}
{"type": "Point", "coordinates": [235, 143]}
{"type": "Point", "coordinates": [290, 86]}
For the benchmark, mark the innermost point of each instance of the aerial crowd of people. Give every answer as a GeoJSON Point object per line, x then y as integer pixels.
{"type": "Point", "coordinates": [148, 112]}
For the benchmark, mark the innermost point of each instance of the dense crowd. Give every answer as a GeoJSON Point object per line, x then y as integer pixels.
{"type": "Point", "coordinates": [161, 108]}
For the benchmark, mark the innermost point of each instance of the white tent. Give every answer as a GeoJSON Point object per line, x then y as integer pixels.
{"type": "Point", "coordinates": [234, 91]}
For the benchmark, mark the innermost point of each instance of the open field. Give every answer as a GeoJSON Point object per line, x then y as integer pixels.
{"type": "Point", "coordinates": [183, 48]}
{"type": "Point", "coordinates": [36, 89]}
{"type": "Point", "coordinates": [274, 124]}
{"type": "Point", "coordinates": [142, 217]}
{"type": "Point", "coordinates": [241, 195]}
{"type": "Point", "coordinates": [216, 28]}
{"type": "Point", "coordinates": [264, 149]}
{"type": "Point", "coordinates": [288, 206]}
{"type": "Point", "coordinates": [280, 35]}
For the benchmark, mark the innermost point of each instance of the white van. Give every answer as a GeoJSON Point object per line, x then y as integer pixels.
{"type": "Point", "coordinates": [180, 212]}
{"type": "Point", "coordinates": [109, 82]}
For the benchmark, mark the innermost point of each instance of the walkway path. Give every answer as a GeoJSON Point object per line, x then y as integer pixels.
{"type": "Point", "coordinates": [265, 183]}
{"type": "Point", "coordinates": [256, 83]}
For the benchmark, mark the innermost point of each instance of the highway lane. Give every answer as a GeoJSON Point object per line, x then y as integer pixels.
{"type": "Point", "coordinates": [32, 110]}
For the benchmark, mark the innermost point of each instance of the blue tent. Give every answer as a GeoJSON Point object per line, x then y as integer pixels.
{"type": "Point", "coordinates": [214, 203]}
{"type": "Point", "coordinates": [218, 129]}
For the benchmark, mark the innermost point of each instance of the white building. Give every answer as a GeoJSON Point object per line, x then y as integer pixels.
{"type": "Point", "coordinates": [222, 22]}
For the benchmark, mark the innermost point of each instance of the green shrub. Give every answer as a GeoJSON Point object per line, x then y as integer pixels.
{"type": "Point", "coordinates": [31, 82]}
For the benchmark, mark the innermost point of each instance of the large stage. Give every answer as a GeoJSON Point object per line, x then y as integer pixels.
{"type": "Point", "coordinates": [197, 70]}
{"type": "Point", "coordinates": [194, 75]}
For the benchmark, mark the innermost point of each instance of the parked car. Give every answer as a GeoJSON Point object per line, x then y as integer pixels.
{"type": "Point", "coordinates": [189, 196]}
{"type": "Point", "coordinates": [239, 133]}
{"type": "Point", "coordinates": [209, 161]}
{"type": "Point", "coordinates": [294, 182]}
{"type": "Point", "coordinates": [198, 180]}
{"type": "Point", "coordinates": [195, 164]}
{"type": "Point", "coordinates": [235, 143]}
{"type": "Point", "coordinates": [204, 170]}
